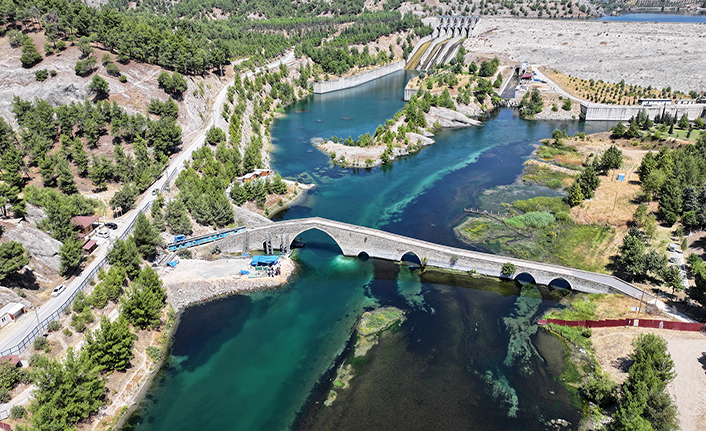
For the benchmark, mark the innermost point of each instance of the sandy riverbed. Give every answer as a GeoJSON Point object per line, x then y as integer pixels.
{"type": "Point", "coordinates": [657, 54]}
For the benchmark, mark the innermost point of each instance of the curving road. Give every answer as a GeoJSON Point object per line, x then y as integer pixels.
{"type": "Point", "coordinates": [12, 335]}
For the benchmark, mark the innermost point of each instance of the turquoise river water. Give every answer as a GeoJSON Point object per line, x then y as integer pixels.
{"type": "Point", "coordinates": [468, 356]}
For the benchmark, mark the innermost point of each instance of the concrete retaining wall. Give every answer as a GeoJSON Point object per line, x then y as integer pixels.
{"type": "Point", "coordinates": [409, 92]}
{"type": "Point", "coordinates": [355, 80]}
{"type": "Point", "coordinates": [601, 112]}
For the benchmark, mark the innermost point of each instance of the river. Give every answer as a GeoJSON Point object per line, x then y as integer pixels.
{"type": "Point", "coordinates": [468, 356]}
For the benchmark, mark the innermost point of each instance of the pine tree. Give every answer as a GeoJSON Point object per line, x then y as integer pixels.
{"type": "Point", "coordinates": [575, 196]}
{"type": "Point", "coordinates": [146, 237]}
{"type": "Point", "coordinates": [110, 346]}
{"type": "Point", "coordinates": [142, 304]}
{"type": "Point", "coordinates": [124, 254]}
{"type": "Point", "coordinates": [177, 218]}
{"type": "Point", "coordinates": [71, 255]}
{"type": "Point", "coordinates": [66, 178]}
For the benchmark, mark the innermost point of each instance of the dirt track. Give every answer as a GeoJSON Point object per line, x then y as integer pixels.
{"type": "Point", "coordinates": [657, 54]}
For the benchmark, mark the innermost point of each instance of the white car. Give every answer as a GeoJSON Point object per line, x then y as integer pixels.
{"type": "Point", "coordinates": [57, 290]}
{"type": "Point", "coordinates": [103, 234]}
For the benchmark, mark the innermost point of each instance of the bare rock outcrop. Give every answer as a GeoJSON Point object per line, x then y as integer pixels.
{"type": "Point", "coordinates": [7, 296]}
{"type": "Point", "coordinates": [34, 214]}
{"type": "Point", "coordinates": [450, 119]}
{"type": "Point", "coordinates": [43, 250]}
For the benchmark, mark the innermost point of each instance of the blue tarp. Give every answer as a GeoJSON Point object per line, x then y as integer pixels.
{"type": "Point", "coordinates": [173, 263]}
{"type": "Point", "coordinates": [264, 260]}
{"type": "Point", "coordinates": [621, 177]}
{"type": "Point", "coordinates": [244, 272]}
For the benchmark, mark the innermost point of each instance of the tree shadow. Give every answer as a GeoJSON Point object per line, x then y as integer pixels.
{"type": "Point", "coordinates": [25, 280]}
{"type": "Point", "coordinates": [702, 360]}
{"type": "Point", "coordinates": [623, 364]}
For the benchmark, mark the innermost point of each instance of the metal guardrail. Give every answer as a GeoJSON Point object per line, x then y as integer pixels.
{"type": "Point", "coordinates": [40, 328]}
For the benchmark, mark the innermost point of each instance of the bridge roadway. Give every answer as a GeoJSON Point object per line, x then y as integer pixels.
{"type": "Point", "coordinates": [357, 240]}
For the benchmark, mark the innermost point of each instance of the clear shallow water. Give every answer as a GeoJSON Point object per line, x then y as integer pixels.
{"type": "Point", "coordinates": [655, 17]}
{"type": "Point", "coordinates": [465, 357]}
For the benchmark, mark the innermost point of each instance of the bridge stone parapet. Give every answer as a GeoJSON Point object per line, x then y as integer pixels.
{"type": "Point", "coordinates": [354, 240]}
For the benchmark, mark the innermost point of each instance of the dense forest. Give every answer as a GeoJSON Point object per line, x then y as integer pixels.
{"type": "Point", "coordinates": [184, 38]}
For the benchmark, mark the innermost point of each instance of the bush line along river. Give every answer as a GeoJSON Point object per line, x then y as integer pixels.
{"type": "Point", "coordinates": [468, 354]}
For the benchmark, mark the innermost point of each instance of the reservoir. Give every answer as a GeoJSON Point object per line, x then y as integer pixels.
{"type": "Point", "coordinates": [468, 356]}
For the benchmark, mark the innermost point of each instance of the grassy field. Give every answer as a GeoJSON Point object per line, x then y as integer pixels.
{"type": "Point", "coordinates": [542, 231]}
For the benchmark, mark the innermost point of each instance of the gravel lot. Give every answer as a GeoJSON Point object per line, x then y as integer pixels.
{"type": "Point", "coordinates": [657, 54]}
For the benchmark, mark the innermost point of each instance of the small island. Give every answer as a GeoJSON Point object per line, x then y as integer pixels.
{"type": "Point", "coordinates": [369, 327]}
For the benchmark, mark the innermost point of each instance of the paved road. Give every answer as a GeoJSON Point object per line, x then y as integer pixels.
{"type": "Point", "coordinates": [16, 332]}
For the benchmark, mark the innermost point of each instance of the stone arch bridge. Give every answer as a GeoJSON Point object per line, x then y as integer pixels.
{"type": "Point", "coordinates": [357, 240]}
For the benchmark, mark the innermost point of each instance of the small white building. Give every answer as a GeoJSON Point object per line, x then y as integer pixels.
{"type": "Point", "coordinates": [10, 312]}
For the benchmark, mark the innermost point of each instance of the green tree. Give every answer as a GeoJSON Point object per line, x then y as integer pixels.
{"type": "Point", "coordinates": [125, 254]}
{"type": "Point", "coordinates": [672, 278]}
{"type": "Point", "coordinates": [575, 195]}
{"type": "Point", "coordinates": [71, 255]}
{"type": "Point", "coordinates": [66, 392]}
{"type": "Point", "coordinates": [215, 135]}
{"type": "Point", "coordinates": [683, 122]}
{"type": "Point", "coordinates": [99, 87]}
{"type": "Point", "coordinates": [618, 131]}
{"type": "Point", "coordinates": [30, 55]}
{"type": "Point", "coordinates": [110, 346]}
{"type": "Point", "coordinates": [566, 105]}
{"type": "Point", "coordinates": [146, 237]}
{"type": "Point", "coordinates": [115, 278]}
{"type": "Point", "coordinates": [142, 304]}
{"type": "Point", "coordinates": [67, 185]}
{"type": "Point", "coordinates": [125, 197]}
{"type": "Point", "coordinates": [12, 258]}
{"type": "Point", "coordinates": [611, 159]}
{"type": "Point", "coordinates": [177, 218]}
{"type": "Point", "coordinates": [631, 259]}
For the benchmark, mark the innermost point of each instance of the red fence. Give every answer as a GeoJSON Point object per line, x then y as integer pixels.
{"type": "Point", "coordinates": [642, 323]}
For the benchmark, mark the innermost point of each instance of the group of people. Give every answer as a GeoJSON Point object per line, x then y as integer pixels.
{"type": "Point", "coordinates": [273, 271]}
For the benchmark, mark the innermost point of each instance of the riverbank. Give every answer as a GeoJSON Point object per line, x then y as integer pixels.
{"type": "Point", "coordinates": [394, 141]}
{"type": "Point", "coordinates": [196, 281]}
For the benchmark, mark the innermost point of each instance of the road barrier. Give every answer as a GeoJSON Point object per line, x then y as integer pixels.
{"type": "Point", "coordinates": [42, 326]}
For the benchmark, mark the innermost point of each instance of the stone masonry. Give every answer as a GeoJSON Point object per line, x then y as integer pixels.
{"type": "Point", "coordinates": [356, 240]}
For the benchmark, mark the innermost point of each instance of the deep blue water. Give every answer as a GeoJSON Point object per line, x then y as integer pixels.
{"type": "Point", "coordinates": [467, 357]}
{"type": "Point", "coordinates": [656, 17]}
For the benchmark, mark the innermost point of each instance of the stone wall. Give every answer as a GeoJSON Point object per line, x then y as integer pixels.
{"type": "Point", "coordinates": [355, 240]}
{"type": "Point", "coordinates": [355, 80]}
{"type": "Point", "coordinates": [598, 112]}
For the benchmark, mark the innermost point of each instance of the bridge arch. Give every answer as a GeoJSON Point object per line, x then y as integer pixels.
{"type": "Point", "coordinates": [411, 258]}
{"type": "Point", "coordinates": [560, 284]}
{"type": "Point", "coordinates": [363, 255]}
{"type": "Point", "coordinates": [525, 278]}
{"type": "Point", "coordinates": [295, 236]}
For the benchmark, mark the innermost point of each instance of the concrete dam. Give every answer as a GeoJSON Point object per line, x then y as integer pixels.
{"type": "Point", "coordinates": [444, 42]}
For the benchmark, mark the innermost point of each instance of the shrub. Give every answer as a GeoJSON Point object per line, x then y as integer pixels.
{"type": "Point", "coordinates": [153, 352]}
{"type": "Point", "coordinates": [4, 395]}
{"type": "Point", "coordinates": [53, 326]}
{"type": "Point", "coordinates": [41, 75]}
{"type": "Point", "coordinates": [68, 332]}
{"type": "Point", "coordinates": [40, 343]}
{"type": "Point", "coordinates": [508, 269]}
{"type": "Point", "coordinates": [17, 412]}
{"type": "Point", "coordinates": [601, 390]}
{"type": "Point", "coordinates": [122, 79]}
{"type": "Point", "coordinates": [112, 69]}
{"type": "Point", "coordinates": [184, 253]}
{"type": "Point", "coordinates": [85, 67]}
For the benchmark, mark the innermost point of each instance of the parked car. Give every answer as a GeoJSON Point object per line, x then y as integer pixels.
{"type": "Point", "coordinates": [103, 234]}
{"type": "Point", "coordinates": [57, 290]}
{"type": "Point", "coordinates": [111, 225]}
